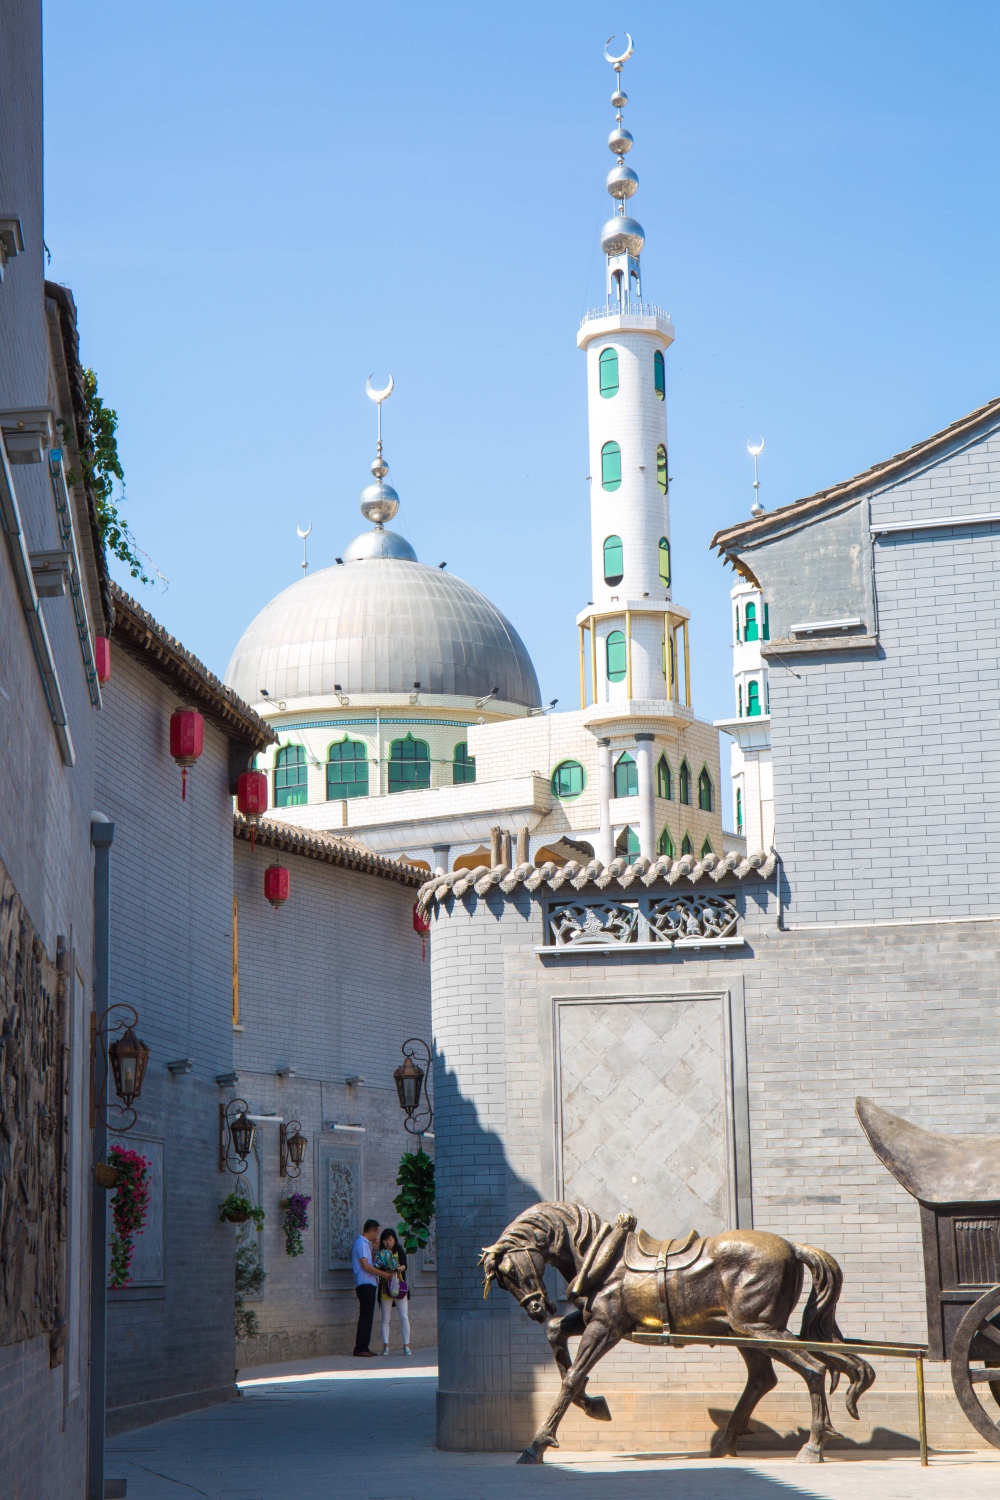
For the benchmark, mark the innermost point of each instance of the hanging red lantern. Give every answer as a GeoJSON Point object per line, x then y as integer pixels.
{"type": "Point", "coordinates": [251, 799]}
{"type": "Point", "coordinates": [421, 927]}
{"type": "Point", "coordinates": [102, 658]}
{"type": "Point", "coordinates": [187, 741]}
{"type": "Point", "coordinates": [276, 885]}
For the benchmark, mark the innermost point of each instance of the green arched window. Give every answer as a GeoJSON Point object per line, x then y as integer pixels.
{"type": "Point", "coordinates": [706, 848]}
{"type": "Point", "coordinates": [665, 844]}
{"type": "Point", "coordinates": [686, 845]}
{"type": "Point", "coordinates": [659, 376]}
{"type": "Point", "coordinates": [568, 780]}
{"type": "Point", "coordinates": [611, 466]}
{"type": "Point", "coordinates": [753, 700]}
{"type": "Point", "coordinates": [739, 810]}
{"type": "Point", "coordinates": [463, 769]}
{"type": "Point", "coordinates": [684, 783]}
{"type": "Point", "coordinates": [627, 845]}
{"type": "Point", "coordinates": [664, 780]}
{"type": "Point", "coordinates": [750, 623]}
{"type": "Point", "coordinates": [347, 769]}
{"type": "Point", "coordinates": [664, 562]}
{"type": "Point", "coordinates": [616, 656]}
{"type": "Point", "coordinates": [626, 776]}
{"type": "Point", "coordinates": [608, 367]}
{"type": "Point", "coordinates": [767, 626]}
{"type": "Point", "coordinates": [614, 560]}
{"type": "Point", "coordinates": [661, 468]}
{"type": "Point", "coordinates": [291, 777]}
{"type": "Point", "coordinates": [409, 764]}
{"type": "Point", "coordinates": [705, 790]}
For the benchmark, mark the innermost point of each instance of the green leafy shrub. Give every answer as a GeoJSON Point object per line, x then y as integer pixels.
{"type": "Point", "coordinates": [250, 1276]}
{"type": "Point", "coordinates": [415, 1202]}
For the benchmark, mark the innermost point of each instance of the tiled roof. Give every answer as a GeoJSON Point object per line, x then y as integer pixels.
{"type": "Point", "coordinates": [135, 628]}
{"type": "Point", "coordinates": [327, 848]}
{"type": "Point", "coordinates": [618, 873]}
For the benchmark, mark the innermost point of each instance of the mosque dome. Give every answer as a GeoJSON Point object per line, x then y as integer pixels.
{"type": "Point", "coordinates": [378, 623]}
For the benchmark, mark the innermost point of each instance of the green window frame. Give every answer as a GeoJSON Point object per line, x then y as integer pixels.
{"type": "Point", "coordinates": [753, 699]}
{"type": "Point", "coordinates": [291, 777]}
{"type": "Point", "coordinates": [664, 554]}
{"type": "Point", "coordinates": [463, 766]}
{"type": "Point", "coordinates": [706, 791]}
{"type": "Point", "coordinates": [739, 810]}
{"type": "Point", "coordinates": [767, 625]}
{"type": "Point", "coordinates": [626, 776]}
{"type": "Point", "coordinates": [706, 848]}
{"type": "Point", "coordinates": [614, 560]}
{"type": "Point", "coordinates": [347, 769]}
{"type": "Point", "coordinates": [659, 376]}
{"type": "Point", "coordinates": [664, 780]}
{"type": "Point", "coordinates": [661, 468]}
{"type": "Point", "coordinates": [627, 845]}
{"type": "Point", "coordinates": [616, 654]}
{"type": "Point", "coordinates": [607, 366]}
{"type": "Point", "coordinates": [568, 780]}
{"type": "Point", "coordinates": [750, 622]}
{"type": "Point", "coordinates": [739, 699]}
{"type": "Point", "coordinates": [665, 844]}
{"type": "Point", "coordinates": [686, 845]}
{"type": "Point", "coordinates": [409, 765]}
{"type": "Point", "coordinates": [684, 783]}
{"type": "Point", "coordinates": [611, 466]}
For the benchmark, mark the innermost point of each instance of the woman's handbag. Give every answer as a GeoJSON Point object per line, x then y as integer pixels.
{"type": "Point", "coordinates": [402, 1290]}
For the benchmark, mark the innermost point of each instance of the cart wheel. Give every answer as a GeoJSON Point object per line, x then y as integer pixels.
{"type": "Point", "coordinates": [975, 1353]}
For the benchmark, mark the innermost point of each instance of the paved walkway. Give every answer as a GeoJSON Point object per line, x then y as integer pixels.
{"type": "Point", "coordinates": [334, 1429]}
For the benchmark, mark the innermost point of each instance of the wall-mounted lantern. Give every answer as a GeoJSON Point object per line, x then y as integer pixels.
{"type": "Point", "coordinates": [292, 1145]}
{"type": "Point", "coordinates": [126, 1058]}
{"type": "Point", "coordinates": [236, 1133]}
{"type": "Point", "coordinates": [409, 1079]}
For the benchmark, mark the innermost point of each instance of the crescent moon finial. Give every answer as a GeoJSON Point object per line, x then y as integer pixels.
{"type": "Point", "coordinates": [304, 534]}
{"type": "Point", "coordinates": [617, 61]}
{"type": "Point", "coordinates": [379, 396]}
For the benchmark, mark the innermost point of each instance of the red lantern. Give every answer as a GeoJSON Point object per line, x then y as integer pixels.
{"type": "Point", "coordinates": [421, 927]}
{"type": "Point", "coordinates": [187, 740]}
{"type": "Point", "coordinates": [251, 799]}
{"type": "Point", "coordinates": [276, 885]}
{"type": "Point", "coordinates": [102, 658]}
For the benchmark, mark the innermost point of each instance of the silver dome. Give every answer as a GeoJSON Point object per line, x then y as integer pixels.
{"type": "Point", "coordinates": [620, 234]}
{"type": "Point", "coordinates": [379, 543]}
{"type": "Point", "coordinates": [622, 182]}
{"type": "Point", "coordinates": [379, 628]}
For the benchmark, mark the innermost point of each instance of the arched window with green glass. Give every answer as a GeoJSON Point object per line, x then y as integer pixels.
{"type": "Point", "coordinates": [614, 560]}
{"type": "Point", "coordinates": [739, 810]}
{"type": "Point", "coordinates": [664, 552]}
{"type": "Point", "coordinates": [626, 776]}
{"type": "Point", "coordinates": [291, 777]}
{"type": "Point", "coordinates": [463, 768]}
{"type": "Point", "coordinates": [706, 848]}
{"type": "Point", "coordinates": [684, 783]}
{"type": "Point", "coordinates": [608, 372]}
{"type": "Point", "coordinates": [568, 780]}
{"type": "Point", "coordinates": [664, 780]}
{"type": "Point", "coordinates": [409, 764]}
{"type": "Point", "coordinates": [750, 623]}
{"type": "Point", "coordinates": [753, 700]}
{"type": "Point", "coordinates": [659, 376]}
{"type": "Point", "coordinates": [686, 845]}
{"type": "Point", "coordinates": [347, 769]}
{"type": "Point", "coordinates": [627, 845]}
{"type": "Point", "coordinates": [705, 790]}
{"type": "Point", "coordinates": [665, 844]}
{"type": "Point", "coordinates": [661, 468]}
{"type": "Point", "coordinates": [617, 659]}
{"type": "Point", "coordinates": [611, 466]}
{"type": "Point", "coordinates": [767, 626]}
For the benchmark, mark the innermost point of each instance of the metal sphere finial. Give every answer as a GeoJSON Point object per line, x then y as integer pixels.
{"type": "Point", "coordinates": [379, 501]}
{"type": "Point", "coordinates": [755, 449]}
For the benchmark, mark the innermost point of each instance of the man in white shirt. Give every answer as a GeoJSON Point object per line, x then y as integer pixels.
{"type": "Point", "coordinates": [366, 1278]}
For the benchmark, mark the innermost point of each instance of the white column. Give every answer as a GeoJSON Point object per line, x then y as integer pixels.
{"type": "Point", "coordinates": [605, 839]}
{"type": "Point", "coordinates": [441, 854]}
{"type": "Point", "coordinates": [647, 813]}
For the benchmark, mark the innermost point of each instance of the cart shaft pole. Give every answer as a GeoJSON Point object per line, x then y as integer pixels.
{"type": "Point", "coordinates": [921, 1410]}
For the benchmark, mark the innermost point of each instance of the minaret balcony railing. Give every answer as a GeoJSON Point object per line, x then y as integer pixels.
{"type": "Point", "coordinates": [629, 310]}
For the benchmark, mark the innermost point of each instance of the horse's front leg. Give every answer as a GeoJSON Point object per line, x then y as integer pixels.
{"type": "Point", "coordinates": [598, 1338]}
{"type": "Point", "coordinates": [559, 1331]}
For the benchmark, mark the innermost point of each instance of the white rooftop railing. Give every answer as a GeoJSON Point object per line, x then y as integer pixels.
{"type": "Point", "coordinates": [631, 309]}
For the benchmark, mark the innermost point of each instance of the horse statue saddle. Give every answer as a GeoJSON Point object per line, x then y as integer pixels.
{"type": "Point", "coordinates": [643, 1253]}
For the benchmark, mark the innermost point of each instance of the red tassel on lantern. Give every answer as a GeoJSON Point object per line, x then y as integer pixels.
{"type": "Point", "coordinates": [102, 658]}
{"type": "Point", "coordinates": [422, 927]}
{"type": "Point", "coordinates": [276, 885]}
{"type": "Point", "coordinates": [187, 741]}
{"type": "Point", "coordinates": [251, 799]}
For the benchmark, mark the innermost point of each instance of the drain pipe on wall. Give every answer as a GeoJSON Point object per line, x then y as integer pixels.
{"type": "Point", "coordinates": [102, 832]}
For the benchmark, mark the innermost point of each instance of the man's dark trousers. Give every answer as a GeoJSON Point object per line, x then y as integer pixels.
{"type": "Point", "coordinates": [366, 1314]}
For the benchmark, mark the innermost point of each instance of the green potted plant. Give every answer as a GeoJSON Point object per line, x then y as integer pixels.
{"type": "Point", "coordinates": [236, 1208]}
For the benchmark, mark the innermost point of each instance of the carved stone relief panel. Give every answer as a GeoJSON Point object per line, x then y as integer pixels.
{"type": "Point", "coordinates": [32, 1127]}
{"type": "Point", "coordinates": [338, 1215]}
{"type": "Point", "coordinates": [644, 1116]}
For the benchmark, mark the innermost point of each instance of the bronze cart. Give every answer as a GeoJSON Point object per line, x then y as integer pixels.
{"type": "Point", "coordinates": [956, 1181]}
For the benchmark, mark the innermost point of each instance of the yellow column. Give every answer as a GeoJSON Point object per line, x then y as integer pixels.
{"type": "Point", "coordinates": [687, 667]}
{"type": "Point", "coordinates": [669, 647]}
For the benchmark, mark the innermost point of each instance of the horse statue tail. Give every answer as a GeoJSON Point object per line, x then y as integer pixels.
{"type": "Point", "coordinates": [819, 1322]}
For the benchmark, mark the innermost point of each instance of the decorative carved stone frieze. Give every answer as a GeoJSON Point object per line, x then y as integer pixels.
{"type": "Point", "coordinates": [677, 920]}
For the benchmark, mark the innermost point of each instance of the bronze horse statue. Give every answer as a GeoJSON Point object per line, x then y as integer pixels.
{"type": "Point", "coordinates": [743, 1283]}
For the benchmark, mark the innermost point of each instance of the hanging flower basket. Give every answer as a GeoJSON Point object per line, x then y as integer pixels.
{"type": "Point", "coordinates": [128, 1210]}
{"type": "Point", "coordinates": [105, 1176]}
{"type": "Point", "coordinates": [235, 1208]}
{"type": "Point", "coordinates": [296, 1218]}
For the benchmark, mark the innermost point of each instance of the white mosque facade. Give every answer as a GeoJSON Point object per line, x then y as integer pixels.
{"type": "Point", "coordinates": [407, 709]}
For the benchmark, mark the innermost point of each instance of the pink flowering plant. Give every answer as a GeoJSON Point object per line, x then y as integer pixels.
{"type": "Point", "coordinates": [296, 1219]}
{"type": "Point", "coordinates": [128, 1210]}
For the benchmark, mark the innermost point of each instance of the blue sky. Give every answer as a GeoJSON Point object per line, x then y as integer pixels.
{"type": "Point", "coordinates": [258, 205]}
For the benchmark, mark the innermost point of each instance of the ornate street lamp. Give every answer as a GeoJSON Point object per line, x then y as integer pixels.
{"type": "Point", "coordinates": [128, 1057]}
{"type": "Point", "coordinates": [125, 1058]}
{"type": "Point", "coordinates": [409, 1080]}
{"type": "Point", "coordinates": [292, 1146]}
{"type": "Point", "coordinates": [236, 1134]}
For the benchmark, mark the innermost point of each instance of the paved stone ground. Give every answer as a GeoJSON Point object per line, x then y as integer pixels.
{"type": "Point", "coordinates": [334, 1429]}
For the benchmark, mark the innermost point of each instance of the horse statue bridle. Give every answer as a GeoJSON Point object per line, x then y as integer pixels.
{"type": "Point", "coordinates": [526, 1285]}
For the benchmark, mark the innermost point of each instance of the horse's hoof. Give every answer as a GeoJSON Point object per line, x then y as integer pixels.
{"type": "Point", "coordinates": [809, 1455]}
{"type": "Point", "coordinates": [721, 1449]}
{"type": "Point", "coordinates": [598, 1409]}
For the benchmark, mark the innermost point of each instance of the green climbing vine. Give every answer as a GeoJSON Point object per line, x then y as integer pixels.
{"type": "Point", "coordinates": [103, 470]}
{"type": "Point", "coordinates": [415, 1202]}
